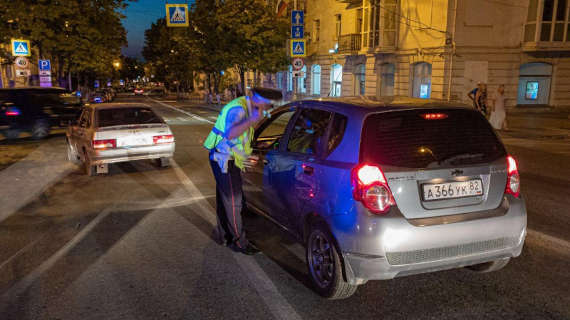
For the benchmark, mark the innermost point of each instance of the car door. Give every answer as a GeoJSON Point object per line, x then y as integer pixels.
{"type": "Point", "coordinates": [80, 134]}
{"type": "Point", "coordinates": [292, 173]}
{"type": "Point", "coordinates": [266, 142]}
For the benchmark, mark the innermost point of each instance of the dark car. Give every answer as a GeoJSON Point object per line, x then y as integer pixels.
{"type": "Point", "coordinates": [36, 110]}
{"type": "Point", "coordinates": [388, 188]}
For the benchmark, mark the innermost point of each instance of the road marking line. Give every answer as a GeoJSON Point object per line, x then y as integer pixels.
{"type": "Point", "coordinates": [557, 242]}
{"type": "Point", "coordinates": [30, 278]}
{"type": "Point", "coordinates": [266, 289]}
{"type": "Point", "coordinates": [195, 116]}
{"type": "Point", "coordinates": [21, 251]}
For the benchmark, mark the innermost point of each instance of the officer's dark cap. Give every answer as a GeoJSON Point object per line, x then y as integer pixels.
{"type": "Point", "coordinates": [268, 94]}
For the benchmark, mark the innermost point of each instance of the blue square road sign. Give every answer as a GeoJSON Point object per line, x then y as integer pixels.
{"type": "Point", "coordinates": [44, 65]}
{"type": "Point", "coordinates": [297, 32]}
{"type": "Point", "coordinates": [298, 48]}
{"type": "Point", "coordinates": [21, 48]}
{"type": "Point", "coordinates": [297, 17]}
{"type": "Point", "coordinates": [177, 15]}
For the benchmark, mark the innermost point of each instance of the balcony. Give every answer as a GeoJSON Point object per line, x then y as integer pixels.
{"type": "Point", "coordinates": [350, 4]}
{"type": "Point", "coordinates": [349, 43]}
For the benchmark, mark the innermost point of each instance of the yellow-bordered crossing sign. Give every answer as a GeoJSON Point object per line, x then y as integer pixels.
{"type": "Point", "coordinates": [177, 15]}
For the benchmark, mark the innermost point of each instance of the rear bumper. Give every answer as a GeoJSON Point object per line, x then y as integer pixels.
{"type": "Point", "coordinates": [393, 247]}
{"type": "Point", "coordinates": [132, 154]}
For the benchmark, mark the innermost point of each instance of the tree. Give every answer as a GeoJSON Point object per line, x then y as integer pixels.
{"type": "Point", "coordinates": [82, 36]}
{"type": "Point", "coordinates": [260, 37]}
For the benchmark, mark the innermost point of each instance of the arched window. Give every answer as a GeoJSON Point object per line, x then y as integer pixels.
{"type": "Point", "coordinates": [290, 79]}
{"type": "Point", "coordinates": [360, 80]}
{"type": "Point", "coordinates": [336, 80]}
{"type": "Point", "coordinates": [316, 79]}
{"type": "Point", "coordinates": [534, 83]}
{"type": "Point", "coordinates": [301, 87]}
{"type": "Point", "coordinates": [421, 80]}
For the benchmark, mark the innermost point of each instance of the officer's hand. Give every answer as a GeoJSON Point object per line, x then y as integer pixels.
{"type": "Point", "coordinates": [251, 161]}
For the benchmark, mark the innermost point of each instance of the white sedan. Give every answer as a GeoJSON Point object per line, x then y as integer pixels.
{"type": "Point", "coordinates": [112, 133]}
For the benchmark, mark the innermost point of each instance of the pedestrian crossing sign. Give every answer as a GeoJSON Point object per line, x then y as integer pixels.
{"type": "Point", "coordinates": [177, 15]}
{"type": "Point", "coordinates": [298, 48]}
{"type": "Point", "coordinates": [21, 48]}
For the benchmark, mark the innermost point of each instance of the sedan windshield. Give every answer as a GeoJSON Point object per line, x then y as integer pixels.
{"type": "Point", "coordinates": [126, 116]}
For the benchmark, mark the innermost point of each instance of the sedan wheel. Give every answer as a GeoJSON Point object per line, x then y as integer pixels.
{"type": "Point", "coordinates": [40, 129]}
{"type": "Point", "coordinates": [325, 268]}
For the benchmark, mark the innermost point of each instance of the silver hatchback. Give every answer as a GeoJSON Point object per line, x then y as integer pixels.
{"type": "Point", "coordinates": [119, 132]}
{"type": "Point", "coordinates": [383, 189]}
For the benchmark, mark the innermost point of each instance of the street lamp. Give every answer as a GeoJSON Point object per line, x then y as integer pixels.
{"type": "Point", "coordinates": [117, 64]}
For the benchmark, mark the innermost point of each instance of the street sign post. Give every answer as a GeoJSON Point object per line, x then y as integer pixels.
{"type": "Point", "coordinates": [21, 62]}
{"type": "Point", "coordinates": [21, 48]}
{"type": "Point", "coordinates": [44, 67]}
{"type": "Point", "coordinates": [298, 64]}
{"type": "Point", "coordinates": [298, 74]}
{"type": "Point", "coordinates": [297, 32]}
{"type": "Point", "coordinates": [297, 17]}
{"type": "Point", "coordinates": [177, 15]}
{"type": "Point", "coordinates": [298, 47]}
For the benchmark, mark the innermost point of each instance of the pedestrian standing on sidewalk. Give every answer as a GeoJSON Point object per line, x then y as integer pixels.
{"type": "Point", "coordinates": [473, 94]}
{"type": "Point", "coordinates": [481, 99]}
{"type": "Point", "coordinates": [229, 144]}
{"type": "Point", "coordinates": [498, 115]}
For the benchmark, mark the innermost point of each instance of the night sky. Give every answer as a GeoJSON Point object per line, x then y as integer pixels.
{"type": "Point", "coordinates": [140, 15]}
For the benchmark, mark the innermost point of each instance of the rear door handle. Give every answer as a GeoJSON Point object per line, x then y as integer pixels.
{"type": "Point", "coordinates": [308, 170]}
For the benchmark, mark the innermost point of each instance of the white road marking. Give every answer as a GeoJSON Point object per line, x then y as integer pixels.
{"type": "Point", "coordinates": [29, 279]}
{"type": "Point", "coordinates": [26, 179]}
{"type": "Point", "coordinates": [278, 305]}
{"type": "Point", "coordinates": [195, 116]}
{"type": "Point", "coordinates": [21, 251]}
{"type": "Point", "coordinates": [555, 243]}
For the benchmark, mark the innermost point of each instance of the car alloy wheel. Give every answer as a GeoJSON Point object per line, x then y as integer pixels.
{"type": "Point", "coordinates": [321, 260]}
{"type": "Point", "coordinates": [40, 129]}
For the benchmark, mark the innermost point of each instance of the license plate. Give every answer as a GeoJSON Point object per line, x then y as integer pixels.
{"type": "Point", "coordinates": [451, 190]}
{"type": "Point", "coordinates": [135, 141]}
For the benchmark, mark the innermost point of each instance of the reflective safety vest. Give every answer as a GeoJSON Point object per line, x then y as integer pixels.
{"type": "Point", "coordinates": [241, 143]}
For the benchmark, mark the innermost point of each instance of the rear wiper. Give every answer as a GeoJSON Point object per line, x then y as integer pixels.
{"type": "Point", "coordinates": [461, 156]}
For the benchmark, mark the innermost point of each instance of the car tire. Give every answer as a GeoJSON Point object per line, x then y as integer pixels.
{"type": "Point", "coordinates": [325, 266]}
{"type": "Point", "coordinates": [40, 130]}
{"type": "Point", "coordinates": [489, 266]}
{"type": "Point", "coordinates": [11, 133]}
{"type": "Point", "coordinates": [163, 162]}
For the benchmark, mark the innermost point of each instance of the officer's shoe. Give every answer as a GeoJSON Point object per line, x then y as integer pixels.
{"type": "Point", "coordinates": [250, 250]}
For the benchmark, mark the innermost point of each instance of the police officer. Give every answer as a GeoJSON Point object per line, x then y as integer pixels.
{"type": "Point", "coordinates": [229, 143]}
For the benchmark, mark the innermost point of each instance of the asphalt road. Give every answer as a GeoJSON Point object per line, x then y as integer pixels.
{"type": "Point", "coordinates": [137, 244]}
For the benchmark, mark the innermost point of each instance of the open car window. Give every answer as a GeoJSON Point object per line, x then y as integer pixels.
{"type": "Point", "coordinates": [270, 132]}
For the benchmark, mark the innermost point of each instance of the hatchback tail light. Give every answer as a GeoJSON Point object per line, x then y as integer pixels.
{"type": "Point", "coordinates": [513, 179]}
{"type": "Point", "coordinates": [371, 188]}
{"type": "Point", "coordinates": [104, 144]}
{"type": "Point", "coordinates": [163, 139]}
{"type": "Point", "coordinates": [12, 111]}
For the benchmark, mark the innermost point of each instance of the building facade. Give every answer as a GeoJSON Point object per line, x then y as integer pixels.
{"type": "Point", "coordinates": [436, 49]}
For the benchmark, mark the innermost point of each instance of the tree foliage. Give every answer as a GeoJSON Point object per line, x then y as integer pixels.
{"type": "Point", "coordinates": [245, 34]}
{"type": "Point", "coordinates": [82, 36]}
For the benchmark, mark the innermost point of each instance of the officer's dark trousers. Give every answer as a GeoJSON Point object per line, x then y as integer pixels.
{"type": "Point", "coordinates": [229, 204]}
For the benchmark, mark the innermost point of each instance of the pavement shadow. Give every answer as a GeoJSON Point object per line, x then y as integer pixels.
{"type": "Point", "coordinates": [78, 259]}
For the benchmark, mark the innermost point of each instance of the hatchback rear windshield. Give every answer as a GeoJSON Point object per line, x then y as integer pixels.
{"type": "Point", "coordinates": [408, 139]}
{"type": "Point", "coordinates": [123, 116]}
